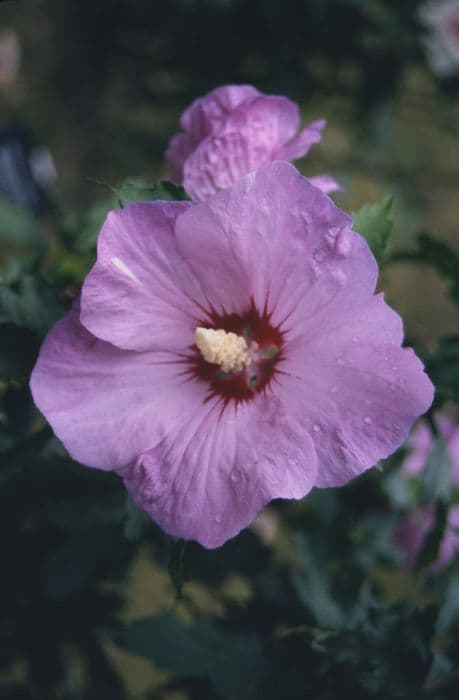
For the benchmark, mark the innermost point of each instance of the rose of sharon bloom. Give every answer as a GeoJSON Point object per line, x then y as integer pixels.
{"type": "Point", "coordinates": [441, 18]}
{"type": "Point", "coordinates": [421, 442]}
{"type": "Point", "coordinates": [228, 353]}
{"type": "Point", "coordinates": [411, 535]}
{"type": "Point", "coordinates": [233, 131]}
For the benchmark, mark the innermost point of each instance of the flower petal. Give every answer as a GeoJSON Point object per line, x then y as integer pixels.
{"type": "Point", "coordinates": [325, 183]}
{"type": "Point", "coordinates": [107, 405]}
{"type": "Point", "coordinates": [205, 114]}
{"type": "Point", "coordinates": [179, 148]}
{"type": "Point", "coordinates": [249, 138]}
{"type": "Point", "coordinates": [300, 145]}
{"type": "Point", "coordinates": [236, 245]}
{"type": "Point", "coordinates": [140, 294]}
{"type": "Point", "coordinates": [357, 389]}
{"type": "Point", "coordinates": [210, 479]}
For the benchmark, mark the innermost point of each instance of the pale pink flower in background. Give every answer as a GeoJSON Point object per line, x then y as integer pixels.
{"type": "Point", "coordinates": [415, 527]}
{"type": "Point", "coordinates": [228, 353]}
{"type": "Point", "coordinates": [421, 442]}
{"type": "Point", "coordinates": [234, 130]}
{"type": "Point", "coordinates": [441, 18]}
{"type": "Point", "coordinates": [411, 535]}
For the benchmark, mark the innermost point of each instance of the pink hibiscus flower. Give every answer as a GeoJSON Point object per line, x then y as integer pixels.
{"type": "Point", "coordinates": [441, 18]}
{"type": "Point", "coordinates": [234, 130]}
{"type": "Point", "coordinates": [411, 535]}
{"type": "Point", "coordinates": [227, 353]}
{"type": "Point", "coordinates": [421, 442]}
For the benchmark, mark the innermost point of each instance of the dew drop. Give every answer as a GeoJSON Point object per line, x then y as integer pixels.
{"type": "Point", "coordinates": [339, 275]}
{"type": "Point", "coordinates": [367, 420]}
{"type": "Point", "coordinates": [333, 232]}
{"type": "Point", "coordinates": [218, 518]}
{"type": "Point", "coordinates": [316, 428]}
{"type": "Point", "coordinates": [236, 476]}
{"type": "Point", "coordinates": [319, 255]}
{"type": "Point", "coordinates": [343, 243]}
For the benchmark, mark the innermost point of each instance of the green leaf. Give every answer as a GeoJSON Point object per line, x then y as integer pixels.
{"type": "Point", "coordinates": [135, 520]}
{"type": "Point", "coordinates": [29, 305]}
{"type": "Point", "coordinates": [436, 485]}
{"type": "Point", "coordinates": [443, 369]}
{"type": "Point", "coordinates": [90, 512]}
{"type": "Point", "coordinates": [312, 587]}
{"type": "Point", "coordinates": [231, 662]}
{"type": "Point", "coordinates": [129, 192]}
{"type": "Point", "coordinates": [19, 408]}
{"type": "Point", "coordinates": [374, 222]}
{"type": "Point", "coordinates": [17, 226]}
{"type": "Point", "coordinates": [69, 568]}
{"type": "Point", "coordinates": [437, 254]}
{"type": "Point", "coordinates": [175, 566]}
{"type": "Point", "coordinates": [448, 615]}
{"type": "Point", "coordinates": [18, 351]}
{"type": "Point", "coordinates": [431, 547]}
{"type": "Point", "coordinates": [84, 227]}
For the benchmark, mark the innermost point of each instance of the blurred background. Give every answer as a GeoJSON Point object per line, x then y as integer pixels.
{"type": "Point", "coordinates": [92, 92]}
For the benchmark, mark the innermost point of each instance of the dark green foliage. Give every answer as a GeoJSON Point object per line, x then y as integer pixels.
{"type": "Point", "coordinates": [443, 369]}
{"type": "Point", "coordinates": [17, 226]}
{"type": "Point", "coordinates": [374, 222]}
{"type": "Point", "coordinates": [232, 663]}
{"type": "Point", "coordinates": [130, 192]}
{"type": "Point", "coordinates": [176, 565]}
{"type": "Point", "coordinates": [29, 304]}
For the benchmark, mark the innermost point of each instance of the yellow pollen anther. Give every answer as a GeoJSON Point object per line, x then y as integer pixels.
{"type": "Point", "coordinates": [226, 349]}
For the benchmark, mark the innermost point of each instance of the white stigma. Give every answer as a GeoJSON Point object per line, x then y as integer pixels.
{"type": "Point", "coordinates": [226, 349]}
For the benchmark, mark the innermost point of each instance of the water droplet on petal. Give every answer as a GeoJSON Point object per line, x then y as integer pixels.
{"type": "Point", "coordinates": [218, 518]}
{"type": "Point", "coordinates": [319, 255]}
{"type": "Point", "coordinates": [316, 428]}
{"type": "Point", "coordinates": [333, 232]}
{"type": "Point", "coordinates": [236, 476]}
{"type": "Point", "coordinates": [339, 275]}
{"type": "Point", "coordinates": [367, 420]}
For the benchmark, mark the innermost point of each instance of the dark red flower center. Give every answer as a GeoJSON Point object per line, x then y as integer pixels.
{"type": "Point", "coordinates": [264, 342]}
